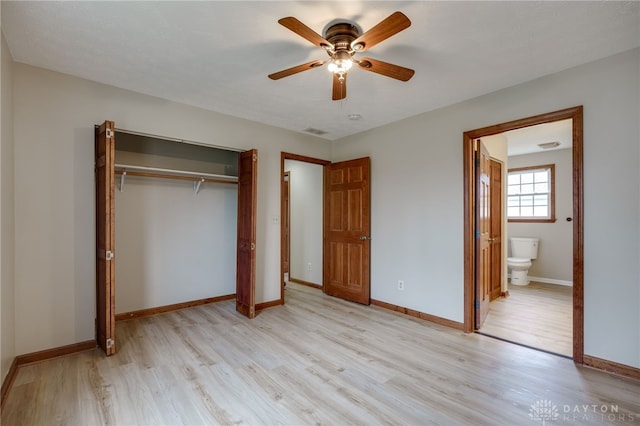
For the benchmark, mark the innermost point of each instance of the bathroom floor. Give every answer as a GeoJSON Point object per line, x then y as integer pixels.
{"type": "Point", "coordinates": [538, 315]}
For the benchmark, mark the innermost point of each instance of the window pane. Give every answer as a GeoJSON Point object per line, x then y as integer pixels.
{"type": "Point", "coordinates": [513, 179]}
{"type": "Point", "coordinates": [527, 189]}
{"type": "Point", "coordinates": [540, 211]}
{"type": "Point", "coordinates": [513, 189]}
{"type": "Point", "coordinates": [526, 200]}
{"type": "Point", "coordinates": [513, 211]}
{"type": "Point", "coordinates": [541, 187]}
{"type": "Point", "coordinates": [513, 201]}
{"type": "Point", "coordinates": [526, 211]}
{"type": "Point", "coordinates": [541, 200]}
{"type": "Point", "coordinates": [526, 177]}
{"type": "Point", "coordinates": [542, 176]}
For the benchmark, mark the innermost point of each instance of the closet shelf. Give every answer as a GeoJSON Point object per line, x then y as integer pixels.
{"type": "Point", "coordinates": [196, 177]}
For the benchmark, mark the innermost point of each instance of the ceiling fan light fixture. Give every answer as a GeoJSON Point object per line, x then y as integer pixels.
{"type": "Point", "coordinates": [340, 63]}
{"type": "Point", "coordinates": [342, 40]}
{"type": "Point", "coordinates": [340, 66]}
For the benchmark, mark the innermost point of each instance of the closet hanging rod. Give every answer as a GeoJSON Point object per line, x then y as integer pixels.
{"type": "Point", "coordinates": [173, 174]}
{"type": "Point", "coordinates": [164, 176]}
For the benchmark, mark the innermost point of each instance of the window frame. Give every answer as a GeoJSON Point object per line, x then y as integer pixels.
{"type": "Point", "coordinates": [552, 194]}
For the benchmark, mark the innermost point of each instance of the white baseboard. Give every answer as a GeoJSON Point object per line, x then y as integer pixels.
{"type": "Point", "coordinates": [549, 281]}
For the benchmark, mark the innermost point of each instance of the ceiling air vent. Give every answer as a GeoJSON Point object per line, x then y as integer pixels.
{"type": "Point", "coordinates": [314, 131]}
{"type": "Point", "coordinates": [549, 145]}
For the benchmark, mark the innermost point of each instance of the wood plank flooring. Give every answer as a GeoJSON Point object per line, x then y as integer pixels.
{"type": "Point", "coordinates": [539, 315]}
{"type": "Point", "coordinates": [315, 360]}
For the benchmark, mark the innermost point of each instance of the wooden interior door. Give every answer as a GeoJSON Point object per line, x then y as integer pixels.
{"type": "Point", "coordinates": [347, 229]}
{"type": "Point", "coordinates": [495, 228]}
{"type": "Point", "coordinates": [483, 224]}
{"type": "Point", "coordinates": [286, 223]}
{"type": "Point", "coordinates": [105, 237]}
{"type": "Point", "coordinates": [246, 259]}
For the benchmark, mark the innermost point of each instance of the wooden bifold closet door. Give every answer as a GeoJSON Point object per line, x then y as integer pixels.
{"type": "Point", "coordinates": [246, 260]}
{"type": "Point", "coordinates": [105, 235]}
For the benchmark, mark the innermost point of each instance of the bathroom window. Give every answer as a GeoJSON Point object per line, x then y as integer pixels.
{"type": "Point", "coordinates": [531, 194]}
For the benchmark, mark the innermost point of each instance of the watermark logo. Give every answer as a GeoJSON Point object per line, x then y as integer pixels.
{"type": "Point", "coordinates": [543, 411]}
{"type": "Point", "coordinates": [546, 411]}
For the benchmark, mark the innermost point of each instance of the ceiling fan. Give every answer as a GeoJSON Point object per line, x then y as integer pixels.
{"type": "Point", "coordinates": [342, 41]}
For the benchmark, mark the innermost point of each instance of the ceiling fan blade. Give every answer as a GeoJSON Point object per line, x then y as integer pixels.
{"type": "Point", "coordinates": [305, 32]}
{"type": "Point", "coordinates": [339, 87]}
{"type": "Point", "coordinates": [294, 70]}
{"type": "Point", "coordinates": [393, 24]}
{"type": "Point", "coordinates": [386, 69]}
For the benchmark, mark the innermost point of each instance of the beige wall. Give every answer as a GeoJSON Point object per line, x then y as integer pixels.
{"type": "Point", "coordinates": [417, 197]}
{"type": "Point", "coordinates": [54, 115]}
{"type": "Point", "coordinates": [7, 240]}
{"type": "Point", "coordinates": [417, 211]}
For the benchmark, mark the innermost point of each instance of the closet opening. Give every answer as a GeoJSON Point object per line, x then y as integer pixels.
{"type": "Point", "coordinates": [168, 227]}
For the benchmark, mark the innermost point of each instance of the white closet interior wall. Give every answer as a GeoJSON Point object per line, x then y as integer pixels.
{"type": "Point", "coordinates": [173, 245]}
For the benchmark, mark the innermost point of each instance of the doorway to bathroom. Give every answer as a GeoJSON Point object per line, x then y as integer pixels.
{"type": "Point", "coordinates": [528, 315]}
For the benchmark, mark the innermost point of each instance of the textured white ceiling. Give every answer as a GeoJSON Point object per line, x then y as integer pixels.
{"type": "Point", "coordinates": [217, 55]}
{"type": "Point", "coordinates": [527, 140]}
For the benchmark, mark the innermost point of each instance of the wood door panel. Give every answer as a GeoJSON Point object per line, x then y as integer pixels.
{"type": "Point", "coordinates": [346, 230]}
{"type": "Point", "coordinates": [354, 212]}
{"type": "Point", "coordinates": [483, 265]}
{"type": "Point", "coordinates": [105, 237]}
{"type": "Point", "coordinates": [496, 228]}
{"type": "Point", "coordinates": [354, 260]}
{"type": "Point", "coordinates": [246, 257]}
{"type": "Point", "coordinates": [336, 263]}
{"type": "Point", "coordinates": [336, 206]}
{"type": "Point", "coordinates": [336, 177]}
{"type": "Point", "coordinates": [356, 174]}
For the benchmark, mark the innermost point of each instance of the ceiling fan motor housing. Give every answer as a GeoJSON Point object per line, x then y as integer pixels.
{"type": "Point", "coordinates": [341, 35]}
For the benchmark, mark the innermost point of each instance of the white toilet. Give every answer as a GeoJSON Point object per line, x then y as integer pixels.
{"type": "Point", "coordinates": [523, 250]}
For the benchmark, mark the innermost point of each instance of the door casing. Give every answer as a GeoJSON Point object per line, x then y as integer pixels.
{"type": "Point", "coordinates": [469, 184]}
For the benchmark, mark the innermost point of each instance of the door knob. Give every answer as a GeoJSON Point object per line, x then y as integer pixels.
{"type": "Point", "coordinates": [364, 238]}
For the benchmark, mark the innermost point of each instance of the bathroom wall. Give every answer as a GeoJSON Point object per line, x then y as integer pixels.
{"type": "Point", "coordinates": [555, 252]}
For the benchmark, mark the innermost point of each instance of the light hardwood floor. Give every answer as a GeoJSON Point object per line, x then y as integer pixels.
{"type": "Point", "coordinates": [316, 360]}
{"type": "Point", "coordinates": [538, 315]}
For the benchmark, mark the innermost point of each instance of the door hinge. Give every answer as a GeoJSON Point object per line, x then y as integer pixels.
{"type": "Point", "coordinates": [110, 343]}
{"type": "Point", "coordinates": [254, 157]}
{"type": "Point", "coordinates": [109, 133]}
{"type": "Point", "coordinates": [108, 255]}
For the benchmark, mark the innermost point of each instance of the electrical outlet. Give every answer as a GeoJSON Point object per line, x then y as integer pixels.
{"type": "Point", "coordinates": [309, 266]}
{"type": "Point", "coordinates": [400, 285]}
{"type": "Point", "coordinates": [275, 220]}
